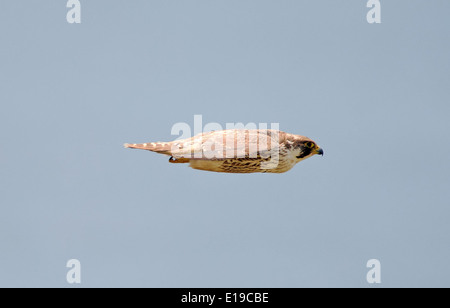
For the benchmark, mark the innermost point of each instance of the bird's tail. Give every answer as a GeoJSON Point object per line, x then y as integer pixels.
{"type": "Point", "coordinates": [159, 147]}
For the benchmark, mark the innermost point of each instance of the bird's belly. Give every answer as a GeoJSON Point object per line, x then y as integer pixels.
{"type": "Point", "coordinates": [243, 165]}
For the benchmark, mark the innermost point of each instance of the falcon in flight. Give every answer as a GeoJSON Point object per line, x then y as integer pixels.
{"type": "Point", "coordinates": [237, 150]}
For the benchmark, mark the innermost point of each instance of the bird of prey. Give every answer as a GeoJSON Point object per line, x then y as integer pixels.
{"type": "Point", "coordinates": [237, 150]}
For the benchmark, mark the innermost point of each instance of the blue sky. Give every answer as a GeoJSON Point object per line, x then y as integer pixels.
{"type": "Point", "coordinates": [374, 96]}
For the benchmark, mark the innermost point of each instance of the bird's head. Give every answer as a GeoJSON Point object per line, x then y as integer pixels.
{"type": "Point", "coordinates": [307, 148]}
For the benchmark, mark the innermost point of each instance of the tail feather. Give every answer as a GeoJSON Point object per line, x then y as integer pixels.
{"type": "Point", "coordinates": [159, 147]}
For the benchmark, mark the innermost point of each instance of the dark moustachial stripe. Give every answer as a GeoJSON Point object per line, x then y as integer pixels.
{"type": "Point", "coordinates": [305, 152]}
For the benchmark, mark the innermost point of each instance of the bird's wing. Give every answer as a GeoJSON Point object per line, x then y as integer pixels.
{"type": "Point", "coordinates": [227, 144]}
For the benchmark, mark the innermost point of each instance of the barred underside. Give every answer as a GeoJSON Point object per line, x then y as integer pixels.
{"type": "Point", "coordinates": [280, 163]}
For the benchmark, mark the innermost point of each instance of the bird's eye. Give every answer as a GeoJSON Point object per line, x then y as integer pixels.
{"type": "Point", "coordinates": [309, 144]}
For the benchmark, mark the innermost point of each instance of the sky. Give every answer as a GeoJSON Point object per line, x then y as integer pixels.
{"type": "Point", "coordinates": [375, 97]}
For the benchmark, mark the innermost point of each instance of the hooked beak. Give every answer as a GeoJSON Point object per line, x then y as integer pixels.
{"type": "Point", "coordinates": [319, 151]}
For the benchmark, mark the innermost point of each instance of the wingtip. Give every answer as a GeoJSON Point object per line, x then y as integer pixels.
{"type": "Point", "coordinates": [126, 145]}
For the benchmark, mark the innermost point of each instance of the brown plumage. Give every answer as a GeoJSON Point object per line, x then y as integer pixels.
{"type": "Point", "coordinates": [237, 151]}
